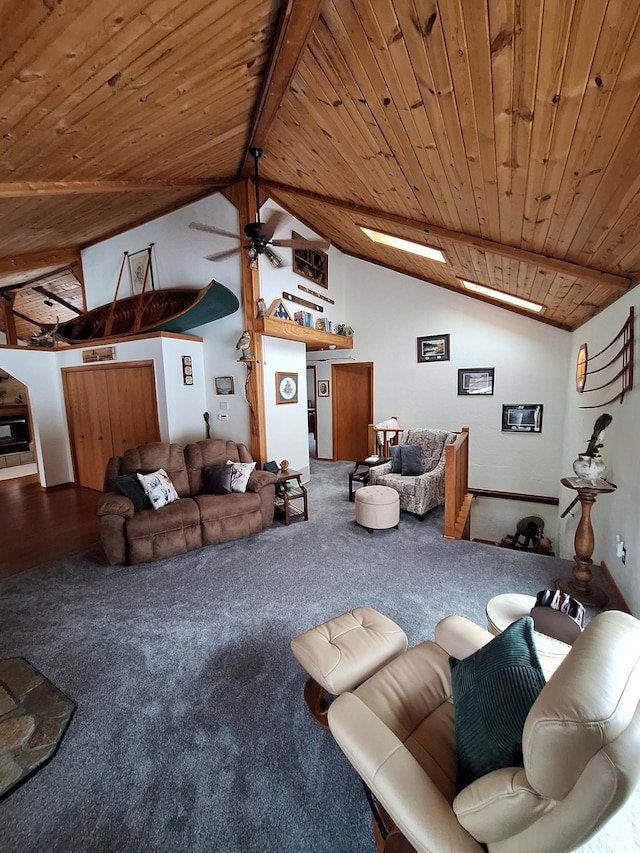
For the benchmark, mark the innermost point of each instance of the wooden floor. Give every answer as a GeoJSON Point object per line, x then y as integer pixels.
{"type": "Point", "coordinates": [39, 526]}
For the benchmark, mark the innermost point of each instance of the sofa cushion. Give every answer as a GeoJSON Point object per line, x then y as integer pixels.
{"type": "Point", "coordinates": [130, 486]}
{"type": "Point", "coordinates": [158, 488]}
{"type": "Point", "coordinates": [211, 451]}
{"type": "Point", "coordinates": [157, 534]}
{"type": "Point", "coordinates": [411, 464]}
{"type": "Point", "coordinates": [240, 473]}
{"type": "Point", "coordinates": [493, 691]}
{"type": "Point", "coordinates": [155, 455]}
{"type": "Point", "coordinates": [216, 480]}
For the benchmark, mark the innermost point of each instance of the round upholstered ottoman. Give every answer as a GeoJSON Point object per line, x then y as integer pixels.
{"type": "Point", "coordinates": [377, 507]}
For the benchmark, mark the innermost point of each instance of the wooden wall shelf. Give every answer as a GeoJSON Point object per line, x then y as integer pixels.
{"type": "Point", "coordinates": [313, 339]}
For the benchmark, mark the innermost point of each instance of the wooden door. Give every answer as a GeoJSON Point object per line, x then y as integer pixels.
{"type": "Point", "coordinates": [352, 409]}
{"type": "Point", "coordinates": [133, 407]}
{"type": "Point", "coordinates": [108, 410]}
{"type": "Point", "coordinates": [85, 394]}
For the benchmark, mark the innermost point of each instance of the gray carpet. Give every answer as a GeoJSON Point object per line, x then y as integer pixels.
{"type": "Point", "coordinates": [190, 731]}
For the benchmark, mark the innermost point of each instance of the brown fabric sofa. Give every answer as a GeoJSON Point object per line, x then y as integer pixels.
{"type": "Point", "coordinates": [192, 521]}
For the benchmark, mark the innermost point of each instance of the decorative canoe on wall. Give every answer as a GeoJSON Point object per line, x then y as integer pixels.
{"type": "Point", "coordinates": [171, 310]}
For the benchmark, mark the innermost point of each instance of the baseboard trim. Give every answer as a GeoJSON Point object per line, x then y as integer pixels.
{"type": "Point", "coordinates": [56, 487]}
{"type": "Point", "coordinates": [622, 604]}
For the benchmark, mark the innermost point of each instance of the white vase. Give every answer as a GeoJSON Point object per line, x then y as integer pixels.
{"type": "Point", "coordinates": [589, 468]}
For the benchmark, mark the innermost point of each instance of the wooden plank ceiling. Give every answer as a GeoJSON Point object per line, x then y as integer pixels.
{"type": "Point", "coordinates": [504, 133]}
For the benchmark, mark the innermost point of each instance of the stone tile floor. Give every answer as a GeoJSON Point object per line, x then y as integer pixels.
{"type": "Point", "coordinates": [34, 715]}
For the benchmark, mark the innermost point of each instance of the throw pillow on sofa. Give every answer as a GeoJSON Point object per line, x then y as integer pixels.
{"type": "Point", "coordinates": [216, 480]}
{"type": "Point", "coordinates": [158, 488]}
{"type": "Point", "coordinates": [240, 473]}
{"type": "Point", "coordinates": [130, 487]}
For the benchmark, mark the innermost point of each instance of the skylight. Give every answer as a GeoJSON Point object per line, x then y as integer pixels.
{"type": "Point", "coordinates": [502, 297]}
{"type": "Point", "coordinates": [405, 245]}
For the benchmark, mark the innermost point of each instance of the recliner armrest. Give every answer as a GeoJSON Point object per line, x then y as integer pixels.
{"type": "Point", "coordinates": [259, 479]}
{"type": "Point", "coordinates": [396, 779]}
{"type": "Point", "coordinates": [460, 637]}
{"type": "Point", "coordinates": [114, 503]}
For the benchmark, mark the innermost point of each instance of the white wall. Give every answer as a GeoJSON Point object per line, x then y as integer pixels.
{"type": "Point", "coordinates": [617, 513]}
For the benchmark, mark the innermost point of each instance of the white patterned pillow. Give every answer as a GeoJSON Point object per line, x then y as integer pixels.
{"type": "Point", "coordinates": [240, 473]}
{"type": "Point", "coordinates": [158, 488]}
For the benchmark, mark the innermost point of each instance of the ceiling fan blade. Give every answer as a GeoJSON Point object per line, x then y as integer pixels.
{"type": "Point", "coordinates": [219, 256]}
{"type": "Point", "coordinates": [302, 244]}
{"type": "Point", "coordinates": [211, 229]}
{"type": "Point", "coordinates": [270, 226]}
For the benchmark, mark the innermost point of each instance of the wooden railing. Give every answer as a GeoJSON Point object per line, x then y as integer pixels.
{"type": "Point", "coordinates": [457, 498]}
{"type": "Point", "coordinates": [389, 438]}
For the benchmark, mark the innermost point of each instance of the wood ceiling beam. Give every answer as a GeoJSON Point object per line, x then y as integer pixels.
{"type": "Point", "coordinates": [39, 260]}
{"type": "Point", "coordinates": [554, 265]}
{"type": "Point", "coordinates": [48, 294]}
{"type": "Point", "coordinates": [295, 26]}
{"type": "Point", "coordinates": [25, 189]}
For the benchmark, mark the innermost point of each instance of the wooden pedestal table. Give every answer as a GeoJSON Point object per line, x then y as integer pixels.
{"type": "Point", "coordinates": [579, 584]}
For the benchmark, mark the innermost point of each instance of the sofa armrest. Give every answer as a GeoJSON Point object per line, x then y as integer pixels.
{"type": "Point", "coordinates": [259, 479]}
{"type": "Point", "coordinates": [114, 503]}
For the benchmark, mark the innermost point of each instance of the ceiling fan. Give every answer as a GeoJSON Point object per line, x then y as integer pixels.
{"type": "Point", "coordinates": [258, 236]}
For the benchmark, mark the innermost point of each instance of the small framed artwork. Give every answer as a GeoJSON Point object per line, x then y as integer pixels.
{"type": "Point", "coordinates": [475, 380]}
{"type": "Point", "coordinates": [187, 370]}
{"type": "Point", "coordinates": [141, 271]}
{"type": "Point", "coordinates": [224, 385]}
{"type": "Point", "coordinates": [323, 388]}
{"type": "Point", "coordinates": [286, 388]}
{"type": "Point", "coordinates": [433, 348]}
{"type": "Point", "coordinates": [522, 418]}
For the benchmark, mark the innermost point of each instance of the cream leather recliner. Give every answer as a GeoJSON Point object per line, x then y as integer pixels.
{"type": "Point", "coordinates": [581, 745]}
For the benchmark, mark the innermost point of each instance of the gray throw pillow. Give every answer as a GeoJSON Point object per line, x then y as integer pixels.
{"type": "Point", "coordinates": [493, 691]}
{"type": "Point", "coordinates": [396, 462]}
{"type": "Point", "coordinates": [411, 461]}
{"type": "Point", "coordinates": [216, 480]}
{"type": "Point", "coordinates": [129, 486]}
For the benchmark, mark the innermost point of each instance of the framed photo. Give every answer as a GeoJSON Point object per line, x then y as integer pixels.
{"type": "Point", "coordinates": [475, 380]}
{"type": "Point", "coordinates": [224, 385]}
{"type": "Point", "coordinates": [141, 271]}
{"type": "Point", "coordinates": [323, 388]}
{"type": "Point", "coordinates": [433, 348]}
{"type": "Point", "coordinates": [286, 388]}
{"type": "Point", "coordinates": [522, 418]}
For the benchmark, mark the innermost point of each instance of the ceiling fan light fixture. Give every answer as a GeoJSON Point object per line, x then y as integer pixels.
{"type": "Point", "coordinates": [405, 245]}
{"type": "Point", "coordinates": [273, 259]}
{"type": "Point", "coordinates": [517, 301]}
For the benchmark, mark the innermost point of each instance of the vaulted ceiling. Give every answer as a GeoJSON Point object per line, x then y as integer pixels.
{"type": "Point", "coordinates": [504, 133]}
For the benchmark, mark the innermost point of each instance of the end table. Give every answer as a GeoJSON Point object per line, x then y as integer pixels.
{"type": "Point", "coordinates": [362, 476]}
{"type": "Point", "coordinates": [291, 496]}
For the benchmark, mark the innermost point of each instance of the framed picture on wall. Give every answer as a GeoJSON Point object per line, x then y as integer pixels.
{"type": "Point", "coordinates": [475, 380]}
{"type": "Point", "coordinates": [323, 388]}
{"type": "Point", "coordinates": [224, 384]}
{"type": "Point", "coordinates": [141, 272]}
{"type": "Point", "coordinates": [433, 348]}
{"type": "Point", "coordinates": [286, 388]}
{"type": "Point", "coordinates": [522, 418]}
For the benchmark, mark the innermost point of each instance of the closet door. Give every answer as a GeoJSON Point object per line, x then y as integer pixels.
{"type": "Point", "coordinates": [108, 410]}
{"type": "Point", "coordinates": [85, 394]}
{"type": "Point", "coordinates": [133, 407]}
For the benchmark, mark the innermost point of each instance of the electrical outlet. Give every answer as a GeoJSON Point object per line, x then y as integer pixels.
{"type": "Point", "coordinates": [223, 417]}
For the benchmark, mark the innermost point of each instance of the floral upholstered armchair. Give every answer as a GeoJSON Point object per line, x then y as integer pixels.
{"type": "Point", "coordinates": [416, 469]}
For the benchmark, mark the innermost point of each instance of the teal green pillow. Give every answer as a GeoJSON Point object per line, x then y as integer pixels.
{"type": "Point", "coordinates": [493, 691]}
{"type": "Point", "coordinates": [130, 487]}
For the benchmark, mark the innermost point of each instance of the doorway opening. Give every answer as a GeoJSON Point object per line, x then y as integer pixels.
{"type": "Point", "coordinates": [312, 419]}
{"type": "Point", "coordinates": [17, 457]}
